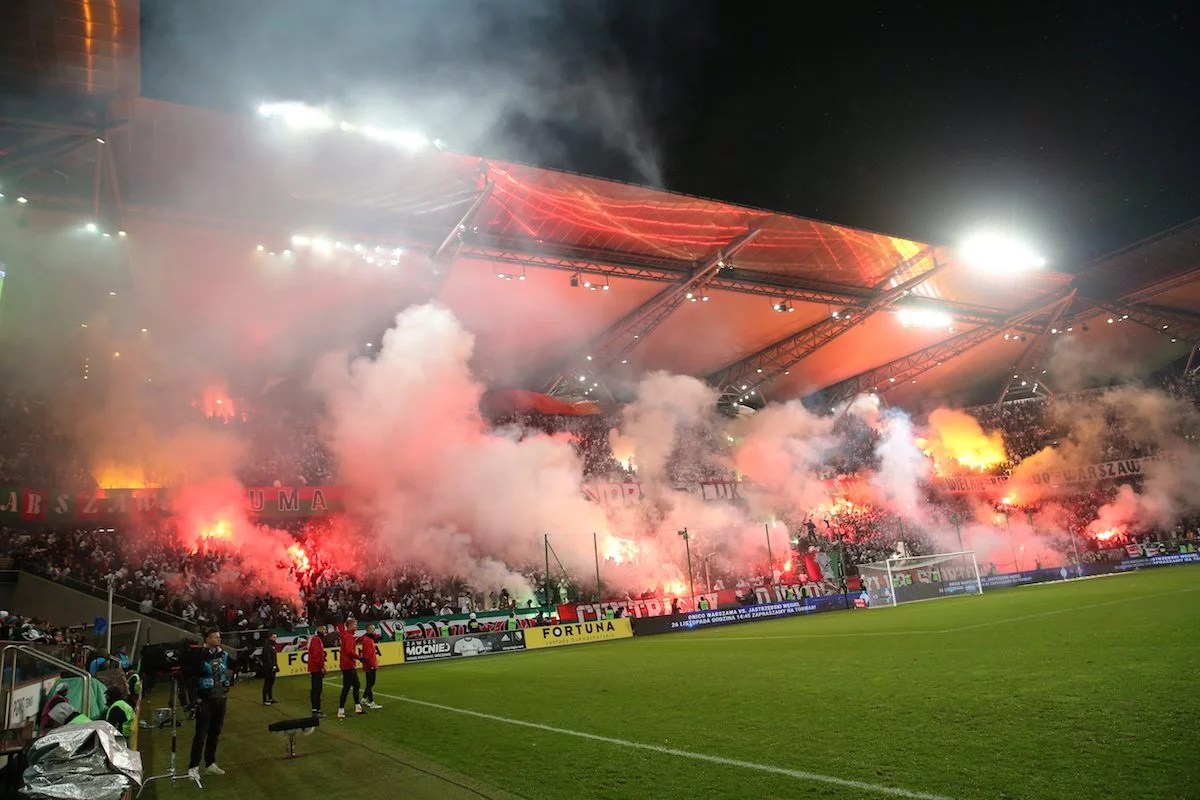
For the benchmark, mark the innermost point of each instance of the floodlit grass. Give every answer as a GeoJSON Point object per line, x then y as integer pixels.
{"type": "Point", "coordinates": [1082, 690]}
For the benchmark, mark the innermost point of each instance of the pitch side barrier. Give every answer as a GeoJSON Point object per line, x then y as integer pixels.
{"type": "Point", "coordinates": [649, 626]}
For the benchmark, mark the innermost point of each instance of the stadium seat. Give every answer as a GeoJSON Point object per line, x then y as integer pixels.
{"type": "Point", "coordinates": [291, 727]}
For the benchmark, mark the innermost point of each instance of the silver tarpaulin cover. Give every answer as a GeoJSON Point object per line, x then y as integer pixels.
{"type": "Point", "coordinates": [82, 762]}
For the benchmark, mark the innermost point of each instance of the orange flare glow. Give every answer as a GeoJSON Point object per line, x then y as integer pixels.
{"type": "Point", "coordinates": [116, 476]}
{"type": "Point", "coordinates": [957, 440]}
{"type": "Point", "coordinates": [618, 550]}
{"type": "Point", "coordinates": [299, 558]}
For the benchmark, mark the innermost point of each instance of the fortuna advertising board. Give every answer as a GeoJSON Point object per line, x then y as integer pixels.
{"type": "Point", "coordinates": [577, 633]}
{"type": "Point", "coordinates": [295, 662]}
{"type": "Point", "coordinates": [469, 644]}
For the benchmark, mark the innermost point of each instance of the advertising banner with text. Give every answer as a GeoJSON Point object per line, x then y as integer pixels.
{"type": "Point", "coordinates": [724, 616]}
{"type": "Point", "coordinates": [656, 607]}
{"type": "Point", "coordinates": [295, 662]}
{"type": "Point", "coordinates": [470, 644]}
{"type": "Point", "coordinates": [577, 633]}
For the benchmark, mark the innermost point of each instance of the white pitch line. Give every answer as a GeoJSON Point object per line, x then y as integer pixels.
{"type": "Point", "coordinates": [670, 751]}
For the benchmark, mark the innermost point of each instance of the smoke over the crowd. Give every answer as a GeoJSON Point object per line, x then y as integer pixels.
{"type": "Point", "coordinates": [432, 485]}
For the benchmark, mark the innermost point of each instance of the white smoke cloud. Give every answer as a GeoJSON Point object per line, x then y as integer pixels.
{"type": "Point", "coordinates": [438, 488]}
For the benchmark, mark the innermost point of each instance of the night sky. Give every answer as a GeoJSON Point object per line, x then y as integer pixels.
{"type": "Point", "coordinates": [1076, 129]}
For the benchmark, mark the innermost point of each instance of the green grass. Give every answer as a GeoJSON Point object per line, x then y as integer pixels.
{"type": "Point", "coordinates": [1082, 690]}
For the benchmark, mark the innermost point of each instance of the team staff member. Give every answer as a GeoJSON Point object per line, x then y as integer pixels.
{"type": "Point", "coordinates": [316, 669]}
{"type": "Point", "coordinates": [210, 716]}
{"type": "Point", "coordinates": [370, 662]}
{"type": "Point", "coordinates": [271, 664]}
{"type": "Point", "coordinates": [347, 657]}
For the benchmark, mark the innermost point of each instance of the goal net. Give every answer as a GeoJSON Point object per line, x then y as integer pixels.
{"type": "Point", "coordinates": [902, 580]}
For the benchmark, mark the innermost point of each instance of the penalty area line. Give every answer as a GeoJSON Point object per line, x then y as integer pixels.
{"type": "Point", "coordinates": [815, 777]}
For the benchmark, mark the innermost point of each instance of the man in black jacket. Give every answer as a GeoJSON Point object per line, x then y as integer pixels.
{"type": "Point", "coordinates": [270, 660]}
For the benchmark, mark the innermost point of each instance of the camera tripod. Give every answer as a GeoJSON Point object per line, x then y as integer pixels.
{"type": "Point", "coordinates": [171, 771]}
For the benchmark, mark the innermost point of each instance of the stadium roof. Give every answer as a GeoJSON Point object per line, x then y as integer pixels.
{"type": "Point", "coordinates": [678, 283]}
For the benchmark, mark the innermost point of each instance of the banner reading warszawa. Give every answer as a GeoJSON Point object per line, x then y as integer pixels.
{"type": "Point", "coordinates": [106, 504]}
{"type": "Point", "coordinates": [273, 502]}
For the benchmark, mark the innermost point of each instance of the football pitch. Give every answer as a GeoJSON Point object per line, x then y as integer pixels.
{"type": "Point", "coordinates": [1078, 690]}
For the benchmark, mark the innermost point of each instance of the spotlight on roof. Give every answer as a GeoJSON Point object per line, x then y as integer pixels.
{"type": "Point", "coordinates": [992, 252]}
{"type": "Point", "coordinates": [297, 115]}
{"type": "Point", "coordinates": [926, 318]}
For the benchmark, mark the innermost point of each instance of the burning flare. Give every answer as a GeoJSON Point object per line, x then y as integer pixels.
{"type": "Point", "coordinates": [122, 476]}
{"type": "Point", "coordinates": [957, 439]}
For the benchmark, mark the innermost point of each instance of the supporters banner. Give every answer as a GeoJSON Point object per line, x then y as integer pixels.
{"type": "Point", "coordinates": [577, 633]}
{"type": "Point", "coordinates": [454, 624]}
{"type": "Point", "coordinates": [471, 644]}
{"type": "Point", "coordinates": [18, 503]}
{"type": "Point", "coordinates": [272, 502]}
{"type": "Point", "coordinates": [295, 662]}
{"type": "Point", "coordinates": [1084, 473]}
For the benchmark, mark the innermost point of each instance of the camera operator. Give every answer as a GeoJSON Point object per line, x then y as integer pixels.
{"type": "Point", "coordinates": [213, 692]}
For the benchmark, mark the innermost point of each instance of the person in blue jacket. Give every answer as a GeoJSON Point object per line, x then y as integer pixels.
{"type": "Point", "coordinates": [215, 679]}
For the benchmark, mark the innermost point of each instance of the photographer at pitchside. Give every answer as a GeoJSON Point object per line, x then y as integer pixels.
{"type": "Point", "coordinates": [215, 679]}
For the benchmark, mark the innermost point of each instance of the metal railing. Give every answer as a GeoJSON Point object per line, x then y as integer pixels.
{"type": "Point", "coordinates": [128, 603]}
{"type": "Point", "coordinates": [36, 655]}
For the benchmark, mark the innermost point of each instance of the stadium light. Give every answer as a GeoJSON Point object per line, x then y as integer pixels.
{"type": "Point", "coordinates": [924, 318]}
{"type": "Point", "coordinates": [297, 115]}
{"type": "Point", "coordinates": [993, 252]}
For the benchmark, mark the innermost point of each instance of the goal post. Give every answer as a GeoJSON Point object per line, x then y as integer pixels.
{"type": "Point", "coordinates": [904, 580]}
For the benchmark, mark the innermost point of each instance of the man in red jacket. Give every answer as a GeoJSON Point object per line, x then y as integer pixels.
{"type": "Point", "coordinates": [370, 662]}
{"type": "Point", "coordinates": [349, 655]}
{"type": "Point", "coordinates": [316, 669]}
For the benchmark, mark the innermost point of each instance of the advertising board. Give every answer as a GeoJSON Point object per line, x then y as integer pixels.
{"type": "Point", "coordinates": [724, 616]}
{"type": "Point", "coordinates": [295, 662]}
{"type": "Point", "coordinates": [465, 645]}
{"type": "Point", "coordinates": [577, 633]}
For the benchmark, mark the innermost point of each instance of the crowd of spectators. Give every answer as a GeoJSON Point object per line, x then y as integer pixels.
{"type": "Point", "coordinates": [1033, 424]}
{"type": "Point", "coordinates": [157, 575]}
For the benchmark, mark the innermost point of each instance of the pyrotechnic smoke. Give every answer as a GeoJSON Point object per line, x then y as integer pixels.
{"type": "Point", "coordinates": [669, 410]}
{"type": "Point", "coordinates": [781, 449]}
{"type": "Point", "coordinates": [437, 488]}
{"type": "Point", "coordinates": [903, 468]}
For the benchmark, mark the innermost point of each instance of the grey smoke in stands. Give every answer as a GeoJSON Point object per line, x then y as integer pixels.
{"type": "Point", "coordinates": [1078, 361]}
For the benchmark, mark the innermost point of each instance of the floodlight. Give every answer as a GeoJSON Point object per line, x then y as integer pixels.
{"type": "Point", "coordinates": [993, 252]}
{"type": "Point", "coordinates": [297, 115]}
{"type": "Point", "coordinates": [924, 318]}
